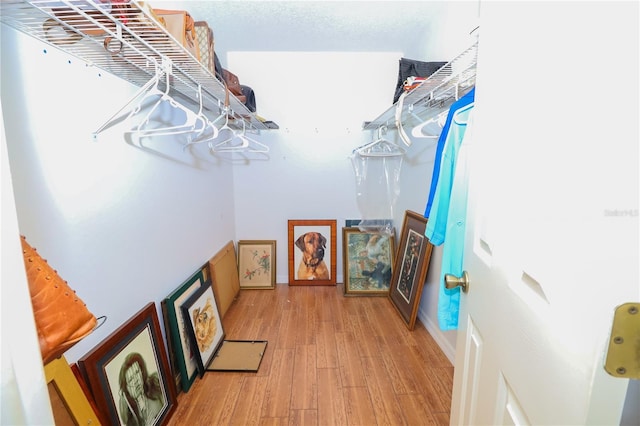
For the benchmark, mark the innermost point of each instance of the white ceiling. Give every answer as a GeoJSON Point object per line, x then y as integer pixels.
{"type": "Point", "coordinates": [331, 26]}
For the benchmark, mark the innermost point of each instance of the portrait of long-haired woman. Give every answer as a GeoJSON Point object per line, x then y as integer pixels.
{"type": "Point", "coordinates": [140, 398]}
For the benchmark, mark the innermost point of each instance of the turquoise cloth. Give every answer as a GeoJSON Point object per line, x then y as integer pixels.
{"type": "Point", "coordinates": [462, 102]}
{"type": "Point", "coordinates": [447, 217]}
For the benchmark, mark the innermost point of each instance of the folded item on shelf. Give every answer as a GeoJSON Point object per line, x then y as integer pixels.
{"type": "Point", "coordinates": [413, 68]}
{"type": "Point", "coordinates": [204, 35]}
{"type": "Point", "coordinates": [181, 26]}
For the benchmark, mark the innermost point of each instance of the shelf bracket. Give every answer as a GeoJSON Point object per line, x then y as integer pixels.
{"type": "Point", "coordinates": [140, 91]}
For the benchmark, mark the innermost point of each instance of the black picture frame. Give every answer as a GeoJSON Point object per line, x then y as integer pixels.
{"type": "Point", "coordinates": [181, 353]}
{"type": "Point", "coordinates": [204, 325]}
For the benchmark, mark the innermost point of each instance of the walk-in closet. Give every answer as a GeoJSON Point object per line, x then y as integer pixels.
{"type": "Point", "coordinates": [294, 212]}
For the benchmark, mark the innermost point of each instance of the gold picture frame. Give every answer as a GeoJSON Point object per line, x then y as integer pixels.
{"type": "Point", "coordinates": [368, 259]}
{"type": "Point", "coordinates": [69, 403]}
{"type": "Point", "coordinates": [257, 264]}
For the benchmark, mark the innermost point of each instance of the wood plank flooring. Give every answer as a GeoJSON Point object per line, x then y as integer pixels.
{"type": "Point", "coordinates": [330, 360]}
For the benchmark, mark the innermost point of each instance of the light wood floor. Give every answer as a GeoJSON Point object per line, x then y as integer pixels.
{"type": "Point", "coordinates": [330, 360]}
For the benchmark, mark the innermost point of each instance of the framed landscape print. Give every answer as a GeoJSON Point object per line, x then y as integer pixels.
{"type": "Point", "coordinates": [180, 352]}
{"type": "Point", "coordinates": [367, 261]}
{"type": "Point", "coordinates": [204, 325]}
{"type": "Point", "coordinates": [129, 366]}
{"type": "Point", "coordinates": [257, 263]}
{"type": "Point", "coordinates": [312, 252]}
{"type": "Point", "coordinates": [410, 267]}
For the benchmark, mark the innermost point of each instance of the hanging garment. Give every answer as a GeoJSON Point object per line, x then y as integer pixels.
{"type": "Point", "coordinates": [377, 189]}
{"type": "Point", "coordinates": [448, 214]}
{"type": "Point", "coordinates": [460, 103]}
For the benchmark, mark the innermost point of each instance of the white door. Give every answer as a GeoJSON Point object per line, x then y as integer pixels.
{"type": "Point", "coordinates": [552, 229]}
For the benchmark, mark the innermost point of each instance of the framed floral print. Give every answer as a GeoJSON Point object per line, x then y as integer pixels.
{"type": "Point", "coordinates": [257, 263]}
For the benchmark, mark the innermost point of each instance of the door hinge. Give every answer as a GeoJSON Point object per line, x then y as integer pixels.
{"type": "Point", "coordinates": [623, 355]}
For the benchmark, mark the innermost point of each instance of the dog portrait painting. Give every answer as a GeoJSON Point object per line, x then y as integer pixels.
{"type": "Point", "coordinates": [312, 253]}
{"type": "Point", "coordinates": [204, 325]}
{"type": "Point", "coordinates": [312, 265]}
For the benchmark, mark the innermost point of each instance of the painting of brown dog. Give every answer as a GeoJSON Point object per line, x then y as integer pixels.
{"type": "Point", "coordinates": [312, 266]}
{"type": "Point", "coordinates": [312, 254]}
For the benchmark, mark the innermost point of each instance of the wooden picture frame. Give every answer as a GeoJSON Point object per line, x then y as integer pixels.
{"type": "Point", "coordinates": [368, 259]}
{"type": "Point", "coordinates": [410, 267]}
{"type": "Point", "coordinates": [312, 252]}
{"type": "Point", "coordinates": [257, 264]}
{"type": "Point", "coordinates": [180, 351]}
{"type": "Point", "coordinates": [204, 325]}
{"type": "Point", "coordinates": [132, 359]}
{"type": "Point", "coordinates": [69, 403]}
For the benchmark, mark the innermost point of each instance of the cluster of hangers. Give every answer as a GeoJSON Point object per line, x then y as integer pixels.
{"type": "Point", "coordinates": [382, 147]}
{"type": "Point", "coordinates": [196, 126]}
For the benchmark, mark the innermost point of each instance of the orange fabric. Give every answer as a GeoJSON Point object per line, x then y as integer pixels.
{"type": "Point", "coordinates": [62, 319]}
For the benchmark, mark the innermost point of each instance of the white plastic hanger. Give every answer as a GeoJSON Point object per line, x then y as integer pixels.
{"type": "Point", "coordinates": [380, 147]}
{"type": "Point", "coordinates": [194, 122]}
{"type": "Point", "coordinates": [398, 119]}
{"type": "Point", "coordinates": [206, 136]}
{"type": "Point", "coordinates": [456, 115]}
{"type": "Point", "coordinates": [238, 142]}
{"type": "Point", "coordinates": [435, 125]}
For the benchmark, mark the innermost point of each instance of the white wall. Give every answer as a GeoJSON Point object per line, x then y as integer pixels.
{"type": "Point", "coordinates": [123, 225]}
{"type": "Point", "coordinates": [126, 224]}
{"type": "Point", "coordinates": [24, 396]}
{"type": "Point", "coordinates": [319, 100]}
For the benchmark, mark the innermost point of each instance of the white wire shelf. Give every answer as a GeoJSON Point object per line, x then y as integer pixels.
{"type": "Point", "coordinates": [436, 93]}
{"type": "Point", "coordinates": [143, 47]}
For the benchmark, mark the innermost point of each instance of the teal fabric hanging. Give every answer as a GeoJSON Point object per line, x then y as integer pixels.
{"type": "Point", "coordinates": [447, 217]}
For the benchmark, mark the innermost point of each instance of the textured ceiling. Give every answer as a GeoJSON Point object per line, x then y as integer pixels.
{"type": "Point", "coordinates": [361, 26]}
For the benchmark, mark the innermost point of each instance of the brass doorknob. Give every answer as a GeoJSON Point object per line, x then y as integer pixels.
{"type": "Point", "coordinates": [451, 281]}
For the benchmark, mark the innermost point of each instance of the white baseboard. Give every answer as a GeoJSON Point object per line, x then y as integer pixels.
{"type": "Point", "coordinates": [435, 332]}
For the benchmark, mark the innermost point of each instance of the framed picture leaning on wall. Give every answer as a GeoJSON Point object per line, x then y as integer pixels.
{"type": "Point", "coordinates": [367, 261]}
{"type": "Point", "coordinates": [257, 263]}
{"type": "Point", "coordinates": [69, 403]}
{"type": "Point", "coordinates": [410, 267]}
{"type": "Point", "coordinates": [204, 325]}
{"type": "Point", "coordinates": [180, 352]}
{"type": "Point", "coordinates": [129, 375]}
{"type": "Point", "coordinates": [312, 252]}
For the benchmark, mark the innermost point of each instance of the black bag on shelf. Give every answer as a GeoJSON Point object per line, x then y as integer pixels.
{"type": "Point", "coordinates": [244, 93]}
{"type": "Point", "coordinates": [250, 97]}
{"type": "Point", "coordinates": [415, 68]}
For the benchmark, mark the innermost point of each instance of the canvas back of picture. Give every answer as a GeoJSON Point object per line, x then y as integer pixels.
{"type": "Point", "coordinates": [224, 275]}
